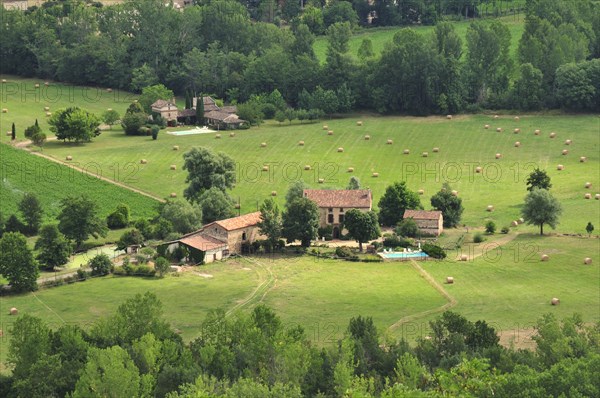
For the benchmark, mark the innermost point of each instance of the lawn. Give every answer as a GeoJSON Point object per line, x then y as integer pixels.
{"type": "Point", "coordinates": [381, 36]}
{"type": "Point", "coordinates": [463, 145]}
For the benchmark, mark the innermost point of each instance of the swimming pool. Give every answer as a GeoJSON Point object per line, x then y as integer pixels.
{"type": "Point", "coordinates": [404, 256]}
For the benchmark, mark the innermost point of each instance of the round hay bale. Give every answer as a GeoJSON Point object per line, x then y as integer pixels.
{"type": "Point", "coordinates": [143, 161]}
{"type": "Point", "coordinates": [109, 90]}
{"type": "Point", "coordinates": [454, 193]}
{"type": "Point", "coordinates": [588, 185]}
{"type": "Point", "coordinates": [449, 280]}
{"type": "Point", "coordinates": [421, 191]}
{"type": "Point", "coordinates": [8, 133]}
{"type": "Point", "coordinates": [516, 119]}
{"type": "Point", "coordinates": [487, 126]}
{"type": "Point", "coordinates": [521, 220]}
{"type": "Point", "coordinates": [582, 159]}
{"type": "Point", "coordinates": [37, 85]}
{"type": "Point", "coordinates": [517, 131]}
{"type": "Point", "coordinates": [359, 123]}
{"type": "Point", "coordinates": [490, 208]}
{"type": "Point", "coordinates": [301, 143]}
{"type": "Point", "coordinates": [307, 167]}
{"type": "Point", "coordinates": [565, 152]}
{"type": "Point", "coordinates": [425, 154]}
{"type": "Point", "coordinates": [498, 155]}
{"type": "Point", "coordinates": [496, 116]}
{"type": "Point", "coordinates": [478, 170]}
{"type": "Point", "coordinates": [69, 157]}
{"type": "Point", "coordinates": [109, 109]}
{"type": "Point", "coordinates": [4, 110]}
{"type": "Point", "coordinates": [499, 129]}
{"type": "Point", "coordinates": [367, 137]}
{"type": "Point", "coordinates": [217, 136]}
{"type": "Point", "coordinates": [263, 144]}
{"type": "Point", "coordinates": [175, 147]}
{"type": "Point", "coordinates": [555, 301]}
{"type": "Point", "coordinates": [340, 149]}
{"type": "Point", "coordinates": [350, 169]}
{"type": "Point", "coordinates": [406, 151]}
{"type": "Point", "coordinates": [14, 311]}
{"type": "Point", "coordinates": [325, 127]}
{"type": "Point", "coordinates": [560, 167]}
{"type": "Point", "coordinates": [237, 206]}
{"type": "Point", "coordinates": [375, 175]}
{"type": "Point", "coordinates": [436, 150]}
{"type": "Point", "coordinates": [330, 132]}
{"type": "Point", "coordinates": [173, 195]}
{"type": "Point", "coordinates": [273, 193]}
{"type": "Point", "coordinates": [449, 117]}
{"type": "Point", "coordinates": [587, 196]}
{"type": "Point", "coordinates": [390, 142]}
{"type": "Point", "coordinates": [1, 333]}
{"type": "Point", "coordinates": [545, 257]}
{"type": "Point", "coordinates": [3, 80]}
{"type": "Point", "coordinates": [597, 196]}
{"type": "Point", "coordinates": [232, 135]}
{"type": "Point", "coordinates": [46, 84]}
{"type": "Point", "coordinates": [552, 135]}
{"type": "Point", "coordinates": [48, 114]}
{"type": "Point", "coordinates": [568, 142]}
{"type": "Point", "coordinates": [46, 108]}
{"type": "Point", "coordinates": [464, 257]}
{"type": "Point", "coordinates": [517, 144]}
{"type": "Point", "coordinates": [173, 167]}
{"type": "Point", "coordinates": [587, 261]}
{"type": "Point", "coordinates": [265, 168]}
{"type": "Point", "coordinates": [321, 180]}
{"type": "Point", "coordinates": [514, 223]}
{"type": "Point", "coordinates": [537, 132]}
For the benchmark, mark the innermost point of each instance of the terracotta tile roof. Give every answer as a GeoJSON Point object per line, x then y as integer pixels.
{"type": "Point", "coordinates": [422, 214]}
{"type": "Point", "coordinates": [186, 113]}
{"type": "Point", "coordinates": [223, 117]}
{"type": "Point", "coordinates": [203, 242]}
{"type": "Point", "coordinates": [229, 109]}
{"type": "Point", "coordinates": [162, 103]}
{"type": "Point", "coordinates": [350, 198]}
{"type": "Point", "coordinates": [231, 224]}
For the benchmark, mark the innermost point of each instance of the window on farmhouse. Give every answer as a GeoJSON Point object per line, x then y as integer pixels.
{"type": "Point", "coordinates": [330, 219]}
{"type": "Point", "coordinates": [341, 218]}
{"type": "Point", "coordinates": [243, 236]}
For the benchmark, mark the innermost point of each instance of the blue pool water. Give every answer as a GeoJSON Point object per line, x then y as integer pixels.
{"type": "Point", "coordinates": [401, 255]}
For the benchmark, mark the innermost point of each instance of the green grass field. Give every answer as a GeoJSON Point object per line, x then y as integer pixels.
{"type": "Point", "coordinates": [23, 172]}
{"type": "Point", "coordinates": [463, 142]}
{"type": "Point", "coordinates": [505, 285]}
{"type": "Point", "coordinates": [381, 36]}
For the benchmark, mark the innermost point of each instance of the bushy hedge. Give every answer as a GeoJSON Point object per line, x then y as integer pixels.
{"type": "Point", "coordinates": [434, 251]}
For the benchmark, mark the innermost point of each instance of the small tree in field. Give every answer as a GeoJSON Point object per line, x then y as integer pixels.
{"type": "Point", "coordinates": [13, 134]}
{"type": "Point", "coordinates": [111, 117]}
{"type": "Point", "coordinates": [538, 179]}
{"type": "Point", "coordinates": [53, 247]}
{"type": "Point", "coordinates": [541, 208]}
{"type": "Point", "coordinates": [490, 227]}
{"type": "Point", "coordinates": [161, 265]}
{"type": "Point", "coordinates": [589, 228]}
{"type": "Point", "coordinates": [100, 264]}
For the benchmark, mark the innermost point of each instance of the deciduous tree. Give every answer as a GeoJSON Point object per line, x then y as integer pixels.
{"type": "Point", "coordinates": [395, 200]}
{"type": "Point", "coordinates": [362, 226]}
{"type": "Point", "coordinates": [541, 208]}
{"type": "Point", "coordinates": [270, 223]}
{"type": "Point", "coordinates": [78, 219]}
{"type": "Point", "coordinates": [538, 179]}
{"type": "Point", "coordinates": [17, 264]}
{"type": "Point", "coordinates": [301, 221]}
{"type": "Point", "coordinates": [450, 206]}
{"type": "Point", "coordinates": [74, 124]}
{"type": "Point", "coordinates": [53, 247]}
{"type": "Point", "coordinates": [207, 169]}
{"type": "Point", "coordinates": [31, 209]}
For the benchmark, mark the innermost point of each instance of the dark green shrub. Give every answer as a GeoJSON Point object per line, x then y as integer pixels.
{"type": "Point", "coordinates": [504, 230]}
{"type": "Point", "coordinates": [343, 252]}
{"type": "Point", "coordinates": [395, 241]}
{"type": "Point", "coordinates": [154, 131]}
{"type": "Point", "coordinates": [434, 251]}
{"type": "Point", "coordinates": [326, 232]}
{"type": "Point", "coordinates": [407, 227]}
{"type": "Point", "coordinates": [478, 238]}
{"type": "Point", "coordinates": [490, 227]}
{"type": "Point", "coordinates": [100, 265]}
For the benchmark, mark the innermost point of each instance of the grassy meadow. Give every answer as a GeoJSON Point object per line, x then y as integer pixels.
{"type": "Point", "coordinates": [509, 287]}
{"type": "Point", "coordinates": [463, 145]}
{"type": "Point", "coordinates": [380, 37]}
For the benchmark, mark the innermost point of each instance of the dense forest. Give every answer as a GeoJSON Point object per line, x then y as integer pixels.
{"type": "Point", "coordinates": [135, 353]}
{"type": "Point", "coordinates": [241, 50]}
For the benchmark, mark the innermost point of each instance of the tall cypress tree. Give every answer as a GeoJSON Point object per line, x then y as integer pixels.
{"type": "Point", "coordinates": [36, 124]}
{"type": "Point", "coordinates": [188, 100]}
{"type": "Point", "coordinates": [200, 110]}
{"type": "Point", "coordinates": [14, 133]}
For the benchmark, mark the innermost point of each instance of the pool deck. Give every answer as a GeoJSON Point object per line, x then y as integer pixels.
{"type": "Point", "coordinates": [192, 131]}
{"type": "Point", "coordinates": [419, 256]}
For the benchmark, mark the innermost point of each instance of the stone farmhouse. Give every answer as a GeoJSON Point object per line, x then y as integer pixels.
{"type": "Point", "coordinates": [428, 222]}
{"type": "Point", "coordinates": [15, 4]}
{"type": "Point", "coordinates": [333, 205]}
{"type": "Point", "coordinates": [218, 239]}
{"type": "Point", "coordinates": [215, 116]}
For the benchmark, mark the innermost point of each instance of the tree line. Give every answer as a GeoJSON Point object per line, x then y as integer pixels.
{"type": "Point", "coordinates": [221, 48]}
{"type": "Point", "coordinates": [136, 353]}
